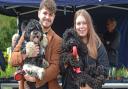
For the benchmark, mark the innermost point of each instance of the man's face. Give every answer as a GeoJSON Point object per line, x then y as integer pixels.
{"type": "Point", "coordinates": [46, 18]}
{"type": "Point", "coordinates": [110, 25]}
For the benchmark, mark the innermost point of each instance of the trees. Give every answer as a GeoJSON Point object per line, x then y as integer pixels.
{"type": "Point", "coordinates": [7, 29]}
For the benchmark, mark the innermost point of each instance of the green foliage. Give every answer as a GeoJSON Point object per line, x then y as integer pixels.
{"type": "Point", "coordinates": [9, 72]}
{"type": "Point", "coordinates": [124, 72]}
{"type": "Point", "coordinates": [9, 69]}
{"type": "Point", "coordinates": [121, 72]}
{"type": "Point", "coordinates": [7, 29]}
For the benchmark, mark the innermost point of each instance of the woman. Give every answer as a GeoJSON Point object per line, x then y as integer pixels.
{"type": "Point", "coordinates": [92, 64]}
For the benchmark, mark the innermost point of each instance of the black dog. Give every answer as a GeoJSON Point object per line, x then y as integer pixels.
{"type": "Point", "coordinates": [71, 39]}
{"type": "Point", "coordinates": [89, 73]}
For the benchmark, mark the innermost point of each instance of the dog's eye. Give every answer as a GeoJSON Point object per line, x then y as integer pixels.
{"type": "Point", "coordinates": [36, 36]}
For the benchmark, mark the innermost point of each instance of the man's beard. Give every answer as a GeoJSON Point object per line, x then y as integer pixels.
{"type": "Point", "coordinates": [46, 27]}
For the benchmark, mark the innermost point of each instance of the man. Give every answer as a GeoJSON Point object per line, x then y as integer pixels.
{"type": "Point", "coordinates": [46, 16]}
{"type": "Point", "coordinates": [112, 41]}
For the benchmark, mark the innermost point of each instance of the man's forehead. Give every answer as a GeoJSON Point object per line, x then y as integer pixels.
{"type": "Point", "coordinates": [44, 9]}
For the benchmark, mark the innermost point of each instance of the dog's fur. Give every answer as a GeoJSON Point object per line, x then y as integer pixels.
{"type": "Point", "coordinates": [91, 74]}
{"type": "Point", "coordinates": [33, 36]}
{"type": "Point", "coordinates": [70, 39]}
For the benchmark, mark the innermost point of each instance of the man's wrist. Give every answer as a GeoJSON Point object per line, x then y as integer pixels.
{"type": "Point", "coordinates": [24, 56]}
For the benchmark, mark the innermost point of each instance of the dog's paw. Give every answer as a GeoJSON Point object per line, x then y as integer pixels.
{"type": "Point", "coordinates": [44, 41]}
{"type": "Point", "coordinates": [45, 63]}
{"type": "Point", "coordinates": [34, 71]}
{"type": "Point", "coordinates": [30, 46]}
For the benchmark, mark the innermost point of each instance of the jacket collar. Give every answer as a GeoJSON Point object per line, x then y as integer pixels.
{"type": "Point", "coordinates": [50, 35]}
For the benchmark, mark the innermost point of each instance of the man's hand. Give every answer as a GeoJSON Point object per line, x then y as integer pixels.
{"type": "Point", "coordinates": [29, 78]}
{"type": "Point", "coordinates": [36, 51]}
{"type": "Point", "coordinates": [34, 71]}
{"type": "Point", "coordinates": [32, 50]}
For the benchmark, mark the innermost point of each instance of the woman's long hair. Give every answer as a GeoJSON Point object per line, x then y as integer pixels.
{"type": "Point", "coordinates": [93, 41]}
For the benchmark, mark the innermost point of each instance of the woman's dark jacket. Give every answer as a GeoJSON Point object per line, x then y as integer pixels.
{"type": "Point", "coordinates": [93, 71]}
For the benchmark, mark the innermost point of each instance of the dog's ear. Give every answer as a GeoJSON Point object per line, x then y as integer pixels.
{"type": "Point", "coordinates": [69, 33]}
{"type": "Point", "coordinates": [33, 24]}
{"type": "Point", "coordinates": [26, 36]}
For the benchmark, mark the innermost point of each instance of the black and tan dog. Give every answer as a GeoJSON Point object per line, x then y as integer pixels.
{"type": "Point", "coordinates": [33, 66]}
{"type": "Point", "coordinates": [34, 36]}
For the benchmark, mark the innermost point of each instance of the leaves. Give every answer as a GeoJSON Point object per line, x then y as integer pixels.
{"type": "Point", "coordinates": [7, 29]}
{"type": "Point", "coordinates": [8, 72]}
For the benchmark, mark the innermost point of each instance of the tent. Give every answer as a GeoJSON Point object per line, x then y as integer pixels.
{"type": "Point", "coordinates": [18, 7]}
{"type": "Point", "coordinates": [99, 9]}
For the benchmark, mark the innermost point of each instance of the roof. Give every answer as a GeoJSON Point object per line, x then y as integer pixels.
{"type": "Point", "coordinates": [21, 7]}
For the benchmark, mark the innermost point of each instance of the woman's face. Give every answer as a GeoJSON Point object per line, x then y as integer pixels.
{"type": "Point", "coordinates": [81, 26]}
